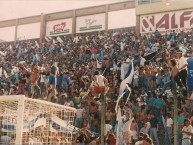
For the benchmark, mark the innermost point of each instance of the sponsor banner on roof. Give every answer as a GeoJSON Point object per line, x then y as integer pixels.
{"type": "Point", "coordinates": [59, 27]}
{"type": "Point", "coordinates": [167, 22]}
{"type": "Point", "coordinates": [90, 23]}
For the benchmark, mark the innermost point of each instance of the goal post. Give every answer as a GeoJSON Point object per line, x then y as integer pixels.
{"type": "Point", "coordinates": [31, 121]}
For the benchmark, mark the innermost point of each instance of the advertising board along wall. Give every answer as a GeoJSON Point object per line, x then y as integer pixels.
{"type": "Point", "coordinates": [167, 22]}
{"type": "Point", "coordinates": [90, 23]}
{"type": "Point", "coordinates": [59, 27]}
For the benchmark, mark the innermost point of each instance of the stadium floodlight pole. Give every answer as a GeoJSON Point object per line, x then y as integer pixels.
{"type": "Point", "coordinates": [103, 110]}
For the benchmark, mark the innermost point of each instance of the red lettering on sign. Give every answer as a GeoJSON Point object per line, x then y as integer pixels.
{"type": "Point", "coordinates": [59, 27]}
{"type": "Point", "coordinates": [173, 22]}
{"type": "Point", "coordinates": [184, 17]}
{"type": "Point", "coordinates": [163, 22]}
{"type": "Point", "coordinates": [148, 23]}
{"type": "Point", "coordinates": [167, 21]}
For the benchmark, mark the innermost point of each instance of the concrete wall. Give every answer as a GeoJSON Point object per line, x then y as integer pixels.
{"type": "Point", "coordinates": [159, 7]}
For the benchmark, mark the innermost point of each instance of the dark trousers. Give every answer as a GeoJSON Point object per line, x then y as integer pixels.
{"type": "Point", "coordinates": [183, 77]}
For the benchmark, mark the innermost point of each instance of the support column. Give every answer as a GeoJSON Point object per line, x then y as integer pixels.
{"type": "Point", "coordinates": [16, 27]}
{"type": "Point", "coordinates": [42, 27]}
{"type": "Point", "coordinates": [103, 110]}
{"type": "Point", "coordinates": [175, 119]}
{"type": "Point", "coordinates": [73, 22]}
{"type": "Point", "coordinates": [137, 28]}
{"type": "Point", "coordinates": [106, 17]}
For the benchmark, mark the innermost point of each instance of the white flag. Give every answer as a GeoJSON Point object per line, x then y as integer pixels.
{"type": "Point", "coordinates": [2, 53]}
{"type": "Point", "coordinates": [47, 39]}
{"type": "Point", "coordinates": [38, 46]}
{"type": "Point", "coordinates": [60, 40]}
{"type": "Point", "coordinates": [1, 72]}
{"type": "Point", "coordinates": [54, 41]}
{"type": "Point", "coordinates": [122, 46]}
{"type": "Point", "coordinates": [119, 128]}
{"type": "Point", "coordinates": [5, 73]}
{"type": "Point", "coordinates": [98, 64]}
{"type": "Point", "coordinates": [10, 47]}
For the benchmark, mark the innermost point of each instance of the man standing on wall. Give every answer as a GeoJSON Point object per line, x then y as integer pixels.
{"type": "Point", "coordinates": [182, 66]}
{"type": "Point", "coordinates": [52, 80]}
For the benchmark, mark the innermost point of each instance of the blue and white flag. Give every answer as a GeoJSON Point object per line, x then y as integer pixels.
{"type": "Point", "coordinates": [61, 125]}
{"type": "Point", "coordinates": [124, 69]}
{"type": "Point", "coordinates": [127, 80]}
{"type": "Point", "coordinates": [118, 100]}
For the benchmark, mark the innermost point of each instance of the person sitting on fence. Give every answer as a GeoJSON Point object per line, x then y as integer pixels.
{"type": "Point", "coordinates": [34, 77]}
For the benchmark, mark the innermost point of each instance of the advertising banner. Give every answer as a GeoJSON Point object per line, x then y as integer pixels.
{"type": "Point", "coordinates": [59, 27]}
{"type": "Point", "coordinates": [90, 23]}
{"type": "Point", "coordinates": [167, 22]}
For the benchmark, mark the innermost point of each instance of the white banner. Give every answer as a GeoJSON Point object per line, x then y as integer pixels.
{"type": "Point", "coordinates": [167, 22]}
{"type": "Point", "coordinates": [90, 23]}
{"type": "Point", "coordinates": [59, 27]}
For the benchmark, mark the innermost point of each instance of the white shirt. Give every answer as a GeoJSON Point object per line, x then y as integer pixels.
{"type": "Point", "coordinates": [181, 62]}
{"type": "Point", "coordinates": [191, 97]}
{"type": "Point", "coordinates": [127, 125]}
{"type": "Point", "coordinates": [136, 74]}
{"type": "Point", "coordinates": [42, 78]}
{"type": "Point", "coordinates": [169, 122]}
{"type": "Point", "coordinates": [142, 61]}
{"type": "Point", "coordinates": [99, 80]}
{"type": "Point", "coordinates": [79, 113]}
{"type": "Point", "coordinates": [188, 129]}
{"type": "Point", "coordinates": [108, 127]}
{"type": "Point", "coordinates": [139, 142]}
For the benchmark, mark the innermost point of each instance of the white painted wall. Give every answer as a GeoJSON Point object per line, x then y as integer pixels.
{"type": "Point", "coordinates": [28, 31]}
{"type": "Point", "coordinates": [121, 19]}
{"type": "Point", "coordinates": [7, 33]}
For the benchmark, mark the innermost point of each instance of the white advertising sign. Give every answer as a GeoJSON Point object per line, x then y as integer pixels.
{"type": "Point", "coordinates": [90, 23]}
{"type": "Point", "coordinates": [167, 22]}
{"type": "Point", "coordinates": [59, 27]}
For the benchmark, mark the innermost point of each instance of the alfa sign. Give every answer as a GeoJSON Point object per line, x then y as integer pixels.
{"type": "Point", "coordinates": [166, 22]}
{"type": "Point", "coordinates": [59, 27]}
{"type": "Point", "coordinates": [90, 23]}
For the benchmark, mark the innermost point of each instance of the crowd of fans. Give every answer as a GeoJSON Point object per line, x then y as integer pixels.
{"type": "Point", "coordinates": [28, 67]}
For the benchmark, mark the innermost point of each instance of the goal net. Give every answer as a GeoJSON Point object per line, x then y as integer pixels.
{"type": "Point", "coordinates": [26, 121]}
